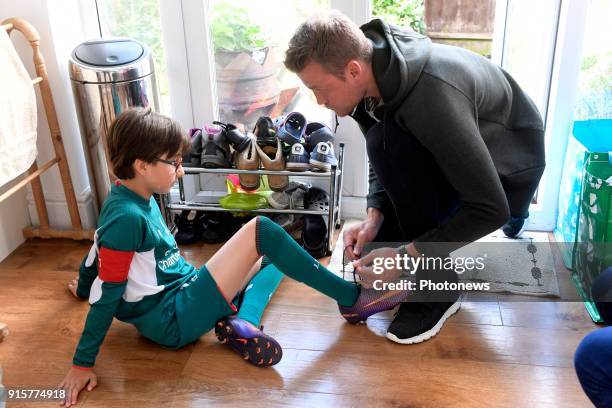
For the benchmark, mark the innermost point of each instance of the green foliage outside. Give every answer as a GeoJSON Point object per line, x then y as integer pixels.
{"type": "Point", "coordinates": [140, 20]}
{"type": "Point", "coordinates": [594, 98]}
{"type": "Point", "coordinates": [233, 29]}
{"type": "Point", "coordinates": [406, 13]}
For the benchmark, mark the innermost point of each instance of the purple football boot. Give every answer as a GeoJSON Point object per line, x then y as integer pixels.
{"type": "Point", "coordinates": [370, 302]}
{"type": "Point", "coordinates": [252, 344]}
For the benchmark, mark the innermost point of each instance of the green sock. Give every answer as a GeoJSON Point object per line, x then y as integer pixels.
{"type": "Point", "coordinates": [292, 260]}
{"type": "Point", "coordinates": [258, 293]}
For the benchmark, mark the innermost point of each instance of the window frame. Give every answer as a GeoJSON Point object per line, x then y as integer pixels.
{"type": "Point", "coordinates": [193, 94]}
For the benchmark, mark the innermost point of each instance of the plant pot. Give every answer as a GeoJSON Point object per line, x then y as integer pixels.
{"type": "Point", "coordinates": [246, 81]}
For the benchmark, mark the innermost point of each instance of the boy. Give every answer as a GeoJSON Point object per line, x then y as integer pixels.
{"type": "Point", "coordinates": [135, 272]}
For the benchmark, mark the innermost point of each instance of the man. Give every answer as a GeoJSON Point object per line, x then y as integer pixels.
{"type": "Point", "coordinates": [456, 148]}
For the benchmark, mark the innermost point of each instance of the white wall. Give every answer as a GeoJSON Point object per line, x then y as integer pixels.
{"type": "Point", "coordinates": [14, 217]}
{"type": "Point", "coordinates": [60, 28]}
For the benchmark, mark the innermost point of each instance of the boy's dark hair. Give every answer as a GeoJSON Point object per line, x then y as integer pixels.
{"type": "Point", "coordinates": [140, 133]}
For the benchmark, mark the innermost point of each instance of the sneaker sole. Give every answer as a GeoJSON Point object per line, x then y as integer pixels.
{"type": "Point", "coordinates": [520, 232]}
{"type": "Point", "coordinates": [261, 351]}
{"type": "Point", "coordinates": [320, 165]}
{"type": "Point", "coordinates": [275, 204]}
{"type": "Point", "coordinates": [431, 332]}
{"type": "Point", "coordinates": [523, 228]}
{"type": "Point", "coordinates": [297, 166]}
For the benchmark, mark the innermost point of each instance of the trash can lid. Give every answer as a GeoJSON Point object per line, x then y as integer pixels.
{"type": "Point", "coordinates": [110, 60]}
{"type": "Point", "coordinates": [108, 53]}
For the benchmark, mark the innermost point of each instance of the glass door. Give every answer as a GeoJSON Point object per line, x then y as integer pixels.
{"type": "Point", "coordinates": [249, 42]}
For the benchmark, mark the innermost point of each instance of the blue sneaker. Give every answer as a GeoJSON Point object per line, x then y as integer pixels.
{"type": "Point", "coordinates": [290, 128]}
{"type": "Point", "coordinates": [298, 159]}
{"type": "Point", "coordinates": [515, 227]}
{"type": "Point", "coordinates": [252, 344]}
{"type": "Point", "coordinates": [316, 133]}
{"type": "Point", "coordinates": [322, 157]}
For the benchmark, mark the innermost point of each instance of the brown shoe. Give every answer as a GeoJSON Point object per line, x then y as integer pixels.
{"type": "Point", "coordinates": [248, 159]}
{"type": "Point", "coordinates": [273, 159]}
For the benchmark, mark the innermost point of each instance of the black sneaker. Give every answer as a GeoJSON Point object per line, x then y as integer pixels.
{"type": "Point", "coordinates": [219, 227]}
{"type": "Point", "coordinates": [417, 322]}
{"type": "Point", "coordinates": [515, 227]}
{"type": "Point", "coordinates": [264, 132]}
{"type": "Point", "coordinates": [189, 224]}
{"type": "Point", "coordinates": [192, 158]}
{"type": "Point", "coordinates": [316, 133]}
{"type": "Point", "coordinates": [234, 136]}
{"type": "Point", "coordinates": [215, 148]}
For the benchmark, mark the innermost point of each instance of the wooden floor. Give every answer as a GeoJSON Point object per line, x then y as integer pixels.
{"type": "Point", "coordinates": [493, 353]}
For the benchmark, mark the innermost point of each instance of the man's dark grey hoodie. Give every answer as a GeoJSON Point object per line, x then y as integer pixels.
{"type": "Point", "coordinates": [484, 132]}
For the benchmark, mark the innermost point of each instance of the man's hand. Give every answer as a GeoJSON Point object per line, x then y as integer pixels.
{"type": "Point", "coordinates": [358, 235]}
{"type": "Point", "coordinates": [370, 273]}
{"type": "Point", "coordinates": [74, 382]}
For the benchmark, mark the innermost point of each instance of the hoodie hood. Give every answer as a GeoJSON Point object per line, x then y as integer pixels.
{"type": "Point", "coordinates": [398, 59]}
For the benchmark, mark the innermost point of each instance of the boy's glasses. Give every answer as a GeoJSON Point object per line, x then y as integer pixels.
{"type": "Point", "coordinates": [176, 163]}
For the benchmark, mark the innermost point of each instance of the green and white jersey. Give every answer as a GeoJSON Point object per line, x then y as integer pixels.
{"type": "Point", "coordinates": [133, 265]}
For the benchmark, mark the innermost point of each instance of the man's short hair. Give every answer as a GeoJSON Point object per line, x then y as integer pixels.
{"type": "Point", "coordinates": [139, 133]}
{"type": "Point", "coordinates": [331, 40]}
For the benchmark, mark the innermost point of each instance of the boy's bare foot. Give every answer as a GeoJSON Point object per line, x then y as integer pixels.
{"type": "Point", "coordinates": [72, 287]}
{"type": "Point", "coordinates": [4, 331]}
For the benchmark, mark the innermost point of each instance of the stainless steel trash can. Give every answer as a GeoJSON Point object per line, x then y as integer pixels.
{"type": "Point", "coordinates": [108, 76]}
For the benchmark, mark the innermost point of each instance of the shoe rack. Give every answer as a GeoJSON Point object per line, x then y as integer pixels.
{"type": "Point", "coordinates": [335, 177]}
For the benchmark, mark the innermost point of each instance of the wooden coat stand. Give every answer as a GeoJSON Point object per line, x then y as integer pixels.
{"type": "Point", "coordinates": [34, 172]}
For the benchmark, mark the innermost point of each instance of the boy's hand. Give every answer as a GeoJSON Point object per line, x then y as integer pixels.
{"type": "Point", "coordinates": [74, 382]}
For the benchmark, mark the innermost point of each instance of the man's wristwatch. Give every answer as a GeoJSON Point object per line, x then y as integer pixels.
{"type": "Point", "coordinates": [402, 250]}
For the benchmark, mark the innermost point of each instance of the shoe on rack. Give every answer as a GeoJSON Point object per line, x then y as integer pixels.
{"type": "Point", "coordinates": [234, 136]}
{"type": "Point", "coordinates": [219, 226]}
{"type": "Point", "coordinates": [279, 200]}
{"type": "Point", "coordinates": [264, 132]}
{"type": "Point", "coordinates": [297, 193]}
{"type": "Point", "coordinates": [316, 133]}
{"type": "Point", "coordinates": [322, 158]}
{"type": "Point", "coordinates": [193, 157]}
{"type": "Point", "coordinates": [215, 148]}
{"type": "Point", "coordinates": [316, 199]}
{"type": "Point", "coordinates": [298, 159]}
{"type": "Point", "coordinates": [314, 233]}
{"type": "Point", "coordinates": [291, 197]}
{"type": "Point", "coordinates": [274, 160]}
{"type": "Point", "coordinates": [290, 128]}
{"type": "Point", "coordinates": [295, 229]}
{"type": "Point", "coordinates": [371, 301]}
{"type": "Point", "coordinates": [190, 225]}
{"type": "Point", "coordinates": [250, 343]}
{"type": "Point", "coordinates": [515, 227]}
{"type": "Point", "coordinates": [416, 322]}
{"type": "Point", "coordinates": [248, 159]}
{"type": "Point", "coordinates": [284, 220]}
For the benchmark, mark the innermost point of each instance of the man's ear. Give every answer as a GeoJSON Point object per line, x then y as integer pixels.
{"type": "Point", "coordinates": [140, 166]}
{"type": "Point", "coordinates": [354, 69]}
